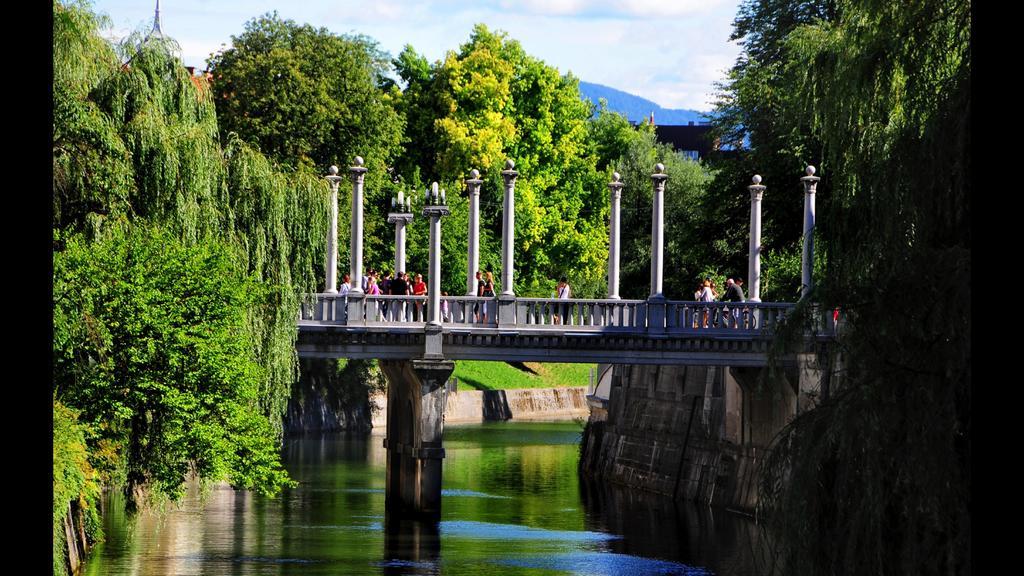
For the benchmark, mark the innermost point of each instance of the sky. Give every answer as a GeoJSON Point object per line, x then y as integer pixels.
{"type": "Point", "coordinates": [668, 51]}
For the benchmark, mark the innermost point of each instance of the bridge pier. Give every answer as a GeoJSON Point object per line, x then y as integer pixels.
{"type": "Point", "coordinates": [415, 424]}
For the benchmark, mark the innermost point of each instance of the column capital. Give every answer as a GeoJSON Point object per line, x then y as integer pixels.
{"type": "Point", "coordinates": [756, 189]}
{"type": "Point", "coordinates": [615, 186]}
{"type": "Point", "coordinates": [659, 177]}
{"type": "Point", "coordinates": [438, 211]}
{"type": "Point", "coordinates": [333, 177]}
{"type": "Point", "coordinates": [403, 217]}
{"type": "Point", "coordinates": [357, 170]}
{"type": "Point", "coordinates": [508, 173]}
{"type": "Point", "coordinates": [473, 182]}
{"type": "Point", "coordinates": [810, 181]}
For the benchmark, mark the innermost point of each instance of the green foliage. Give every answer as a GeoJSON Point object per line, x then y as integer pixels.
{"type": "Point", "coordinates": [139, 143]}
{"type": "Point", "coordinates": [488, 102]}
{"type": "Point", "coordinates": [877, 478]}
{"type": "Point", "coordinates": [150, 344]}
{"type": "Point", "coordinates": [686, 251]}
{"type": "Point", "coordinates": [74, 480]}
{"type": "Point", "coordinates": [305, 96]}
{"type": "Point", "coordinates": [759, 117]}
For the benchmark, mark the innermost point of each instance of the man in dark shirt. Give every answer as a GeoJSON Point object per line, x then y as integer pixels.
{"type": "Point", "coordinates": [399, 287]}
{"type": "Point", "coordinates": [733, 291]}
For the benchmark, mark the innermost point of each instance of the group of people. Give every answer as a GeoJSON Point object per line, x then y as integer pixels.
{"type": "Point", "coordinates": [706, 293]}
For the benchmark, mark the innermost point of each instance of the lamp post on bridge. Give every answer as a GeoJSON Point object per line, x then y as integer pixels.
{"type": "Point", "coordinates": [435, 210]}
{"type": "Point", "coordinates": [807, 263]}
{"type": "Point", "coordinates": [754, 266]}
{"type": "Point", "coordinates": [615, 189]}
{"type": "Point", "coordinates": [331, 266]}
{"type": "Point", "coordinates": [473, 258]}
{"type": "Point", "coordinates": [400, 215]}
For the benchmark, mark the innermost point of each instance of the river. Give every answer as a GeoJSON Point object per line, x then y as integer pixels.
{"type": "Point", "coordinates": [512, 504]}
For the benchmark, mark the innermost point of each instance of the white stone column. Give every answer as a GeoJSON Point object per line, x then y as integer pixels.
{"type": "Point", "coordinates": [400, 220]}
{"type": "Point", "coordinates": [473, 258]}
{"type": "Point", "coordinates": [658, 232]}
{"type": "Point", "coordinates": [754, 266]}
{"type": "Point", "coordinates": [615, 189]}
{"type": "Point", "coordinates": [355, 258]}
{"type": "Point", "coordinates": [435, 212]}
{"type": "Point", "coordinates": [331, 266]}
{"type": "Point", "coordinates": [807, 263]}
{"type": "Point", "coordinates": [508, 231]}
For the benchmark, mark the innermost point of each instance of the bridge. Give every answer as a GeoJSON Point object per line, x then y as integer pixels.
{"type": "Point", "coordinates": [533, 329]}
{"type": "Point", "coordinates": [417, 338]}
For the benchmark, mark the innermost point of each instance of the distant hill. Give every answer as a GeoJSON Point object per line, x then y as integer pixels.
{"type": "Point", "coordinates": [635, 108]}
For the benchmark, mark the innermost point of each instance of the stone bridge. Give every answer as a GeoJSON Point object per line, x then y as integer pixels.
{"type": "Point", "coordinates": [417, 338]}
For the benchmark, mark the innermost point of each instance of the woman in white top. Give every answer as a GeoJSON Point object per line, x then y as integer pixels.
{"type": "Point", "coordinates": [563, 294]}
{"type": "Point", "coordinates": [706, 295]}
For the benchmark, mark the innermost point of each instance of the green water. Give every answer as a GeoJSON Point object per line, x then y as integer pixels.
{"type": "Point", "coordinates": [512, 504]}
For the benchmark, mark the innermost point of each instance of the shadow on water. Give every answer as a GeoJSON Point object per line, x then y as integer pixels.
{"type": "Point", "coordinates": [655, 526]}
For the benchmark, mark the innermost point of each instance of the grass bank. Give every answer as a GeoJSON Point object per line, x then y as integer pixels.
{"type": "Point", "coordinates": [479, 375]}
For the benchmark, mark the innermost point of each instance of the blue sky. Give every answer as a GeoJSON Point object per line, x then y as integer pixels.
{"type": "Point", "coordinates": [668, 51]}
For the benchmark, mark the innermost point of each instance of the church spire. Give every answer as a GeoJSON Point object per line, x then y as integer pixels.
{"type": "Point", "coordinates": [156, 21]}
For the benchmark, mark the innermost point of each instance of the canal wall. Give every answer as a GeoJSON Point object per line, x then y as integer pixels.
{"type": "Point", "coordinates": [329, 399]}
{"type": "Point", "coordinates": [469, 406]}
{"type": "Point", "coordinates": [690, 432]}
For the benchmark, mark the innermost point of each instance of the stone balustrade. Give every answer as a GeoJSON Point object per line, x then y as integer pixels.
{"type": "Point", "coordinates": [574, 315]}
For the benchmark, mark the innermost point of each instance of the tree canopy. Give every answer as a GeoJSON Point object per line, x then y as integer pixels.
{"type": "Point", "coordinates": [305, 96]}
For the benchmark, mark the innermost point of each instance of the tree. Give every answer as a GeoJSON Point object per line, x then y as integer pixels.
{"type": "Point", "coordinates": [764, 131]}
{"type": "Point", "coordinates": [306, 97]}
{"type": "Point", "coordinates": [489, 102]}
{"type": "Point", "coordinates": [136, 147]}
{"type": "Point", "coordinates": [634, 152]}
{"type": "Point", "coordinates": [150, 343]}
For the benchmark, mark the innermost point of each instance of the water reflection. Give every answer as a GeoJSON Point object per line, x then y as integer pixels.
{"type": "Point", "coordinates": [512, 504]}
{"type": "Point", "coordinates": [411, 546]}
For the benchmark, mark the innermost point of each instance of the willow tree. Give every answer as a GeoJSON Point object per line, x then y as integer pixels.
{"type": "Point", "coordinates": [136, 145]}
{"type": "Point", "coordinates": [877, 478]}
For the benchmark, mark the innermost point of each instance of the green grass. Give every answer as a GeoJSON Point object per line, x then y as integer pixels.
{"type": "Point", "coordinates": [478, 375]}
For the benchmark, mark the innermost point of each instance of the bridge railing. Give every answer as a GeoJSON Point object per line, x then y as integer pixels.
{"type": "Point", "coordinates": [467, 311]}
{"type": "Point", "coordinates": [608, 315]}
{"type": "Point", "coordinates": [387, 310]}
{"type": "Point", "coordinates": [332, 308]}
{"type": "Point", "coordinates": [575, 314]}
{"type": "Point", "coordinates": [739, 317]}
